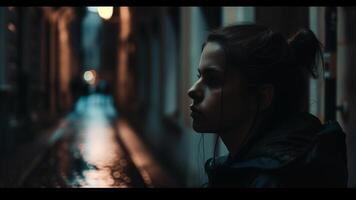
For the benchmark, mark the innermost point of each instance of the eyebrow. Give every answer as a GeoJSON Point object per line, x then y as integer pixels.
{"type": "Point", "coordinates": [210, 70]}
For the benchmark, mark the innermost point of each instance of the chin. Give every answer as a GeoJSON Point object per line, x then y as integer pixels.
{"type": "Point", "coordinates": [203, 129]}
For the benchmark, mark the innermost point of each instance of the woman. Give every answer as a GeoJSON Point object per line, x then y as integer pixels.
{"type": "Point", "coordinates": [252, 92]}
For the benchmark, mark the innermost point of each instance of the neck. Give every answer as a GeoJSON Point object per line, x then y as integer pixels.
{"type": "Point", "coordinates": [235, 138]}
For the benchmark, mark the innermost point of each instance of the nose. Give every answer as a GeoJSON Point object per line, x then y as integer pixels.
{"type": "Point", "coordinates": [196, 93]}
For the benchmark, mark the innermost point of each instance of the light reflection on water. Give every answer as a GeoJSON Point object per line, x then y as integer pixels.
{"type": "Point", "coordinates": [98, 146]}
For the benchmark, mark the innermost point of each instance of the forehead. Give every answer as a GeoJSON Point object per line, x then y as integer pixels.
{"type": "Point", "coordinates": [212, 55]}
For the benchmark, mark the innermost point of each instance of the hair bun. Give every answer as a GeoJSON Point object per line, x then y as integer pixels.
{"type": "Point", "coordinates": [307, 50]}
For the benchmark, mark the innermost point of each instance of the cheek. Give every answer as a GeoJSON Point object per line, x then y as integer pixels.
{"type": "Point", "coordinates": [211, 103]}
{"type": "Point", "coordinates": [235, 106]}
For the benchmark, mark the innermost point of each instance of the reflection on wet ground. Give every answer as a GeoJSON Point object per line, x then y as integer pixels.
{"type": "Point", "coordinates": [88, 153]}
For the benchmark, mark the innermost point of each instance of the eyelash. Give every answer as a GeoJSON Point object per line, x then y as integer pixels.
{"type": "Point", "coordinates": [198, 75]}
{"type": "Point", "coordinates": [210, 81]}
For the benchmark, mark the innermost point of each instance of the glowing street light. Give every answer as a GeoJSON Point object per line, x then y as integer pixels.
{"type": "Point", "coordinates": [90, 76]}
{"type": "Point", "coordinates": [105, 12]}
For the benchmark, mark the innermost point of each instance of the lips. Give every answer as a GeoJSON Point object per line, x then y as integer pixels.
{"type": "Point", "coordinates": [195, 115]}
{"type": "Point", "coordinates": [195, 112]}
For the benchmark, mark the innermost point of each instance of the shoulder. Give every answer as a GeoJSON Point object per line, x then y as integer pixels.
{"type": "Point", "coordinates": [322, 164]}
{"type": "Point", "coordinates": [295, 156]}
{"type": "Point", "coordinates": [327, 160]}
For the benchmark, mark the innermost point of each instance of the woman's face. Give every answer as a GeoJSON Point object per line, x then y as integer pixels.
{"type": "Point", "coordinates": [207, 92]}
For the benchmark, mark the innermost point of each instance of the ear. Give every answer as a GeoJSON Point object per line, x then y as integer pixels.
{"type": "Point", "coordinates": [266, 93]}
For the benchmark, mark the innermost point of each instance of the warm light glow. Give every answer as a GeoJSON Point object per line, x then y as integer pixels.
{"type": "Point", "coordinates": [136, 149]}
{"type": "Point", "coordinates": [125, 13]}
{"type": "Point", "coordinates": [125, 22]}
{"type": "Point", "coordinates": [11, 27]}
{"type": "Point", "coordinates": [105, 12]}
{"type": "Point", "coordinates": [89, 76]}
{"type": "Point", "coordinates": [65, 58]}
{"type": "Point", "coordinates": [125, 28]}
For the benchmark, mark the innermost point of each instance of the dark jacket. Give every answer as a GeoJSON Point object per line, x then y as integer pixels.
{"type": "Point", "coordinates": [300, 152]}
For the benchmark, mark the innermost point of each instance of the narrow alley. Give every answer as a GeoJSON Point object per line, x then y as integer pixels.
{"type": "Point", "coordinates": [99, 96]}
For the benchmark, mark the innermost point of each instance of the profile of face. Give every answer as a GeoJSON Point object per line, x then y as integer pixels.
{"type": "Point", "coordinates": [220, 100]}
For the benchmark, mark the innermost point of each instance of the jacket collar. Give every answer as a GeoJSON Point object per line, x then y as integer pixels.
{"type": "Point", "coordinates": [275, 149]}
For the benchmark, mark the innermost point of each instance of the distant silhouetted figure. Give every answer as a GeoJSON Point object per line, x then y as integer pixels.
{"type": "Point", "coordinates": [103, 87]}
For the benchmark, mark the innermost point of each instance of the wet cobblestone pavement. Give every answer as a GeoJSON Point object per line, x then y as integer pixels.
{"type": "Point", "coordinates": [89, 153]}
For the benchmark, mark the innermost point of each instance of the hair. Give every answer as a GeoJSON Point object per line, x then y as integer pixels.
{"type": "Point", "coordinates": [267, 57]}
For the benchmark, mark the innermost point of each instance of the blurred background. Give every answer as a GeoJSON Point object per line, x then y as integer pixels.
{"type": "Point", "coordinates": [96, 96]}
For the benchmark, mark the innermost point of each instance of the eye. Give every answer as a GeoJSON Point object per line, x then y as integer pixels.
{"type": "Point", "coordinates": [213, 82]}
